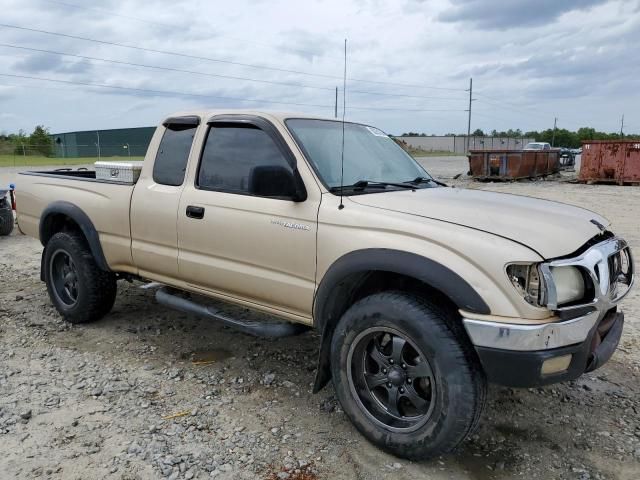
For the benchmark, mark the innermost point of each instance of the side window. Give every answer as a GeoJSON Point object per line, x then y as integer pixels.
{"type": "Point", "coordinates": [244, 159]}
{"type": "Point", "coordinates": [173, 153]}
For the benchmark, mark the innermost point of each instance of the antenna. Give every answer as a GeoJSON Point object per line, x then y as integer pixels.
{"type": "Point", "coordinates": [344, 109]}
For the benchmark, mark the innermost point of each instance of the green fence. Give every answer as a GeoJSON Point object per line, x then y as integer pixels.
{"type": "Point", "coordinates": [121, 142]}
{"type": "Point", "coordinates": [80, 148]}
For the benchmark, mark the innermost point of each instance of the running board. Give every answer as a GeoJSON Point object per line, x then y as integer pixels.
{"type": "Point", "coordinates": [165, 296]}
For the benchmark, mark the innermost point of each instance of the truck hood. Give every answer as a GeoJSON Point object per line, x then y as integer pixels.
{"type": "Point", "coordinates": [552, 229]}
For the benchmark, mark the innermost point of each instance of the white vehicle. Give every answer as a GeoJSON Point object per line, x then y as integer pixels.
{"type": "Point", "coordinates": [537, 146]}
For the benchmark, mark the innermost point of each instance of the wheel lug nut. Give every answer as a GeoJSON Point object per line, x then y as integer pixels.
{"type": "Point", "coordinates": [408, 380]}
{"type": "Point", "coordinates": [389, 384]}
{"type": "Point", "coordinates": [401, 390]}
{"type": "Point", "coordinates": [391, 361]}
{"type": "Point", "coordinates": [384, 370]}
{"type": "Point", "coordinates": [404, 365]}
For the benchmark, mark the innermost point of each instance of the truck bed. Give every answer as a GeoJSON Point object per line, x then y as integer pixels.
{"type": "Point", "coordinates": [105, 202]}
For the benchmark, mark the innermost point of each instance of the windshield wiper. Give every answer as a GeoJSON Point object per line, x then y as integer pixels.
{"type": "Point", "coordinates": [364, 184]}
{"type": "Point", "coordinates": [419, 180]}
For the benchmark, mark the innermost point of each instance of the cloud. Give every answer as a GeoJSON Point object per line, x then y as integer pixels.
{"type": "Point", "coordinates": [511, 14]}
{"type": "Point", "coordinates": [565, 56]}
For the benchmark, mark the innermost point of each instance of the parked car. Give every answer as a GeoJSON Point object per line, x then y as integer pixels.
{"type": "Point", "coordinates": [537, 146]}
{"type": "Point", "coordinates": [421, 293]}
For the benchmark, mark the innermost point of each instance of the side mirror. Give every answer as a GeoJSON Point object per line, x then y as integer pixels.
{"type": "Point", "coordinates": [276, 181]}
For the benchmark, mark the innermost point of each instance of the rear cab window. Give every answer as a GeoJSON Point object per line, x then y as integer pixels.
{"type": "Point", "coordinates": [173, 152]}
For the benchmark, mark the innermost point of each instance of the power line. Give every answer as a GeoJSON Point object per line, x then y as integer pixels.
{"type": "Point", "coordinates": [230, 77]}
{"type": "Point", "coordinates": [201, 95]}
{"type": "Point", "coordinates": [404, 95]}
{"type": "Point", "coordinates": [174, 26]}
{"type": "Point", "coordinates": [432, 87]}
{"type": "Point", "coordinates": [166, 52]}
{"type": "Point", "coordinates": [158, 67]}
{"type": "Point", "coordinates": [217, 60]}
{"type": "Point", "coordinates": [515, 107]}
{"type": "Point", "coordinates": [162, 92]}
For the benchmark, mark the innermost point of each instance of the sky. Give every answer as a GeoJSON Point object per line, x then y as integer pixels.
{"type": "Point", "coordinates": [129, 63]}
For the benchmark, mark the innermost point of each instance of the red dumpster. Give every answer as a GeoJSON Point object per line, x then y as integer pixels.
{"type": "Point", "coordinates": [512, 164]}
{"type": "Point", "coordinates": [608, 161]}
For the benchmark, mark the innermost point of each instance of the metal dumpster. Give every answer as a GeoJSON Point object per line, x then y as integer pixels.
{"type": "Point", "coordinates": [512, 164]}
{"type": "Point", "coordinates": [607, 161]}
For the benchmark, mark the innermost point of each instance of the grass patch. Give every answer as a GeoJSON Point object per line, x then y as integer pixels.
{"type": "Point", "coordinates": [424, 153]}
{"type": "Point", "coordinates": [34, 161]}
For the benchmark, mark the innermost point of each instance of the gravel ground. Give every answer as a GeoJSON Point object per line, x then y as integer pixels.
{"type": "Point", "coordinates": [150, 393]}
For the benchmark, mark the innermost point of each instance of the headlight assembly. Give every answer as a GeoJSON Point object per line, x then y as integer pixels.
{"type": "Point", "coordinates": [566, 281]}
{"type": "Point", "coordinates": [526, 280]}
{"type": "Point", "coordinates": [569, 284]}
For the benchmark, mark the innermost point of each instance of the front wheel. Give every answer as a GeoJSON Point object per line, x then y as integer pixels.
{"type": "Point", "coordinates": [406, 375]}
{"type": "Point", "coordinates": [78, 288]}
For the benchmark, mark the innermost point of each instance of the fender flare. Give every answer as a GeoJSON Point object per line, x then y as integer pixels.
{"type": "Point", "coordinates": [81, 219]}
{"type": "Point", "coordinates": [424, 269]}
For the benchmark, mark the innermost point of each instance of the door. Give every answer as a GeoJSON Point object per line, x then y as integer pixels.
{"type": "Point", "coordinates": [155, 200]}
{"type": "Point", "coordinates": [242, 233]}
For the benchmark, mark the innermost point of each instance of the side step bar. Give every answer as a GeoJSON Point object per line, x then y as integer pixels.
{"type": "Point", "coordinates": [165, 296]}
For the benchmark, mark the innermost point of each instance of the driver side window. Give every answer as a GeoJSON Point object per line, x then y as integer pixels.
{"type": "Point", "coordinates": [243, 159]}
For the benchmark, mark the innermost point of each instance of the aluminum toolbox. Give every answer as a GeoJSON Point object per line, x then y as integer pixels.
{"type": "Point", "coordinates": [120, 172]}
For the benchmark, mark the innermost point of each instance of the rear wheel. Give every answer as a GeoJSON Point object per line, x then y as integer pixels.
{"type": "Point", "coordinates": [78, 288]}
{"type": "Point", "coordinates": [406, 375]}
{"type": "Point", "coordinates": [6, 221]}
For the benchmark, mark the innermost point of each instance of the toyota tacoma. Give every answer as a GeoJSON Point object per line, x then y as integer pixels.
{"type": "Point", "coordinates": [421, 293]}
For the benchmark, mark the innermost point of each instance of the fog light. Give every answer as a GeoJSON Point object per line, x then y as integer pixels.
{"type": "Point", "coordinates": [556, 364]}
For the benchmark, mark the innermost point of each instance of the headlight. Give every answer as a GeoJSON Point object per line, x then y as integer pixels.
{"type": "Point", "coordinates": [526, 280]}
{"type": "Point", "coordinates": [569, 284]}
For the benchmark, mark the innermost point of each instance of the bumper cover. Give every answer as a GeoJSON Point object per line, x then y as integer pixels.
{"type": "Point", "coordinates": [513, 356]}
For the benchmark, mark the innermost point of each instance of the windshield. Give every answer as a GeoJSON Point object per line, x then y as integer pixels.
{"type": "Point", "coordinates": [369, 153]}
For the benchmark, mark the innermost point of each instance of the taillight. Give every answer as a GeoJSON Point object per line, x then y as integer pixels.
{"type": "Point", "coordinates": [12, 196]}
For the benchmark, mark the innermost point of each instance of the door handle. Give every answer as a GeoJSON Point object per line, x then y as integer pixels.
{"type": "Point", "coordinates": [195, 212]}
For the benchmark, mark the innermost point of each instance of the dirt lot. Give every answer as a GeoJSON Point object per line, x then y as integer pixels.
{"type": "Point", "coordinates": [96, 401]}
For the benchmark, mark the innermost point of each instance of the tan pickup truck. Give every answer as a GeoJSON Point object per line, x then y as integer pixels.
{"type": "Point", "coordinates": [421, 292]}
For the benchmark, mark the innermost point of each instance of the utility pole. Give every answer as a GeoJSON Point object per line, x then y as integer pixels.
{"type": "Point", "coordinates": [553, 138]}
{"type": "Point", "coordinates": [98, 144]}
{"type": "Point", "coordinates": [335, 111]}
{"type": "Point", "coordinates": [469, 121]}
{"type": "Point", "coordinates": [622, 127]}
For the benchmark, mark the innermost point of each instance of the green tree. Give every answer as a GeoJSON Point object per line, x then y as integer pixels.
{"type": "Point", "coordinates": [40, 141]}
{"type": "Point", "coordinates": [478, 133]}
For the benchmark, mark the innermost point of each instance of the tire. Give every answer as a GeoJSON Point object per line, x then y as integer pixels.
{"type": "Point", "coordinates": [441, 405]}
{"type": "Point", "coordinates": [6, 222]}
{"type": "Point", "coordinates": [78, 288]}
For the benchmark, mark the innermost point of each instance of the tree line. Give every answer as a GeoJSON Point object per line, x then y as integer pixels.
{"type": "Point", "coordinates": [563, 137]}
{"type": "Point", "coordinates": [39, 142]}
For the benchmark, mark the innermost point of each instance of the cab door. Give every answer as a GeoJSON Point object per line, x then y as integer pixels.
{"type": "Point", "coordinates": [247, 223]}
{"type": "Point", "coordinates": [155, 200]}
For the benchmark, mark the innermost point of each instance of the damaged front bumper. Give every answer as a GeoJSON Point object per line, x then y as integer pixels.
{"type": "Point", "coordinates": [532, 355]}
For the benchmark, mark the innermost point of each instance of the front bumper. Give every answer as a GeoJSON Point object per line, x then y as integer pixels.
{"type": "Point", "coordinates": [534, 355]}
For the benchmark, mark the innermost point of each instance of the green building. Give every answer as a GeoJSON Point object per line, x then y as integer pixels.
{"type": "Point", "coordinates": [119, 142]}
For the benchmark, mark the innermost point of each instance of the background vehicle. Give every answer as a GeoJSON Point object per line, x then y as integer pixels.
{"type": "Point", "coordinates": [6, 213]}
{"type": "Point", "coordinates": [567, 158]}
{"type": "Point", "coordinates": [537, 146]}
{"type": "Point", "coordinates": [422, 293]}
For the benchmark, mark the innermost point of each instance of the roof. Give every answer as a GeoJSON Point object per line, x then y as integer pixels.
{"type": "Point", "coordinates": [279, 116]}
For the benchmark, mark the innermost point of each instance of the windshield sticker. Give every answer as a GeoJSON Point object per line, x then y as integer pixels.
{"type": "Point", "coordinates": [377, 133]}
